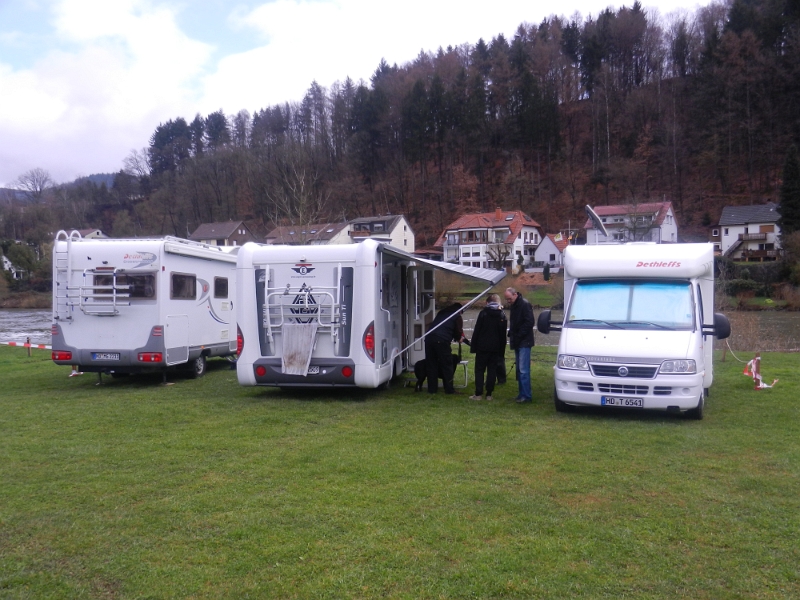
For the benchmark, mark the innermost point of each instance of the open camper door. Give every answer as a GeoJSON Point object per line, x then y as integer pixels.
{"type": "Point", "coordinates": [420, 292]}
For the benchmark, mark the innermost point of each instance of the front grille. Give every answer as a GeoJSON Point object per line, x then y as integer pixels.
{"type": "Point", "coordinates": [584, 386]}
{"type": "Point", "coordinates": [637, 371]}
{"type": "Point", "coordinates": [612, 388]}
{"type": "Point", "coordinates": [662, 390]}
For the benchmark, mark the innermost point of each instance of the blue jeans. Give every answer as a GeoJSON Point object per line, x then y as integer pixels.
{"type": "Point", "coordinates": [523, 358]}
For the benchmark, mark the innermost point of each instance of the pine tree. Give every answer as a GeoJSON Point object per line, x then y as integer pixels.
{"type": "Point", "coordinates": [789, 221]}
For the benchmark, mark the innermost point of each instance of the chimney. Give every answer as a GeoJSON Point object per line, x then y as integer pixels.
{"type": "Point", "coordinates": [498, 214]}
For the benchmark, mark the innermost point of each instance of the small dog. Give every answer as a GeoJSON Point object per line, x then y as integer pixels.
{"type": "Point", "coordinates": [421, 370]}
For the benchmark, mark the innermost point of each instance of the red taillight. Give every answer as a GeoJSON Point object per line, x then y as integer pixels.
{"type": "Point", "coordinates": [239, 341]}
{"type": "Point", "coordinates": [150, 357]}
{"type": "Point", "coordinates": [158, 331]}
{"type": "Point", "coordinates": [261, 370]}
{"type": "Point", "coordinates": [347, 372]}
{"type": "Point", "coordinates": [369, 341]}
{"type": "Point", "coordinates": [58, 355]}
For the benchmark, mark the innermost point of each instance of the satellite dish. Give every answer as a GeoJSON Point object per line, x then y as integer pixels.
{"type": "Point", "coordinates": [596, 220]}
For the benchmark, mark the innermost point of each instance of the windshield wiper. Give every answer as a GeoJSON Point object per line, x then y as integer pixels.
{"type": "Point", "coordinates": [572, 321]}
{"type": "Point", "coordinates": [645, 323]}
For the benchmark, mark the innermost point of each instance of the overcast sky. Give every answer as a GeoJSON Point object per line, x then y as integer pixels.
{"type": "Point", "coordinates": [83, 82]}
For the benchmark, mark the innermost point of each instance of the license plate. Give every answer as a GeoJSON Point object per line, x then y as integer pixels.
{"type": "Point", "coordinates": [622, 402]}
{"type": "Point", "coordinates": [313, 370]}
{"type": "Point", "coordinates": [105, 355]}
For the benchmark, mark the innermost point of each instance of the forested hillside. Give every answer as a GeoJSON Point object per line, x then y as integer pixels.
{"type": "Point", "coordinates": [622, 107]}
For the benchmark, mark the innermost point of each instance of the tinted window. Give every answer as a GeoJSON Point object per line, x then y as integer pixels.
{"type": "Point", "coordinates": [183, 286]}
{"type": "Point", "coordinates": [140, 285]}
{"type": "Point", "coordinates": [220, 287]}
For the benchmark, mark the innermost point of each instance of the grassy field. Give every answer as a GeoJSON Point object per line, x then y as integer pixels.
{"type": "Point", "coordinates": [204, 489]}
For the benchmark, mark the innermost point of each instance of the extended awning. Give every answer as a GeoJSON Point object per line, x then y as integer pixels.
{"type": "Point", "coordinates": [490, 276]}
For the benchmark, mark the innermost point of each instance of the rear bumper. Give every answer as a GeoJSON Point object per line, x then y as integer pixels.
{"type": "Point", "coordinates": [329, 373]}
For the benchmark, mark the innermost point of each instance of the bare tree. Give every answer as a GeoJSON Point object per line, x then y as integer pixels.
{"type": "Point", "coordinates": [34, 183]}
{"type": "Point", "coordinates": [498, 254]}
{"type": "Point", "coordinates": [136, 163]}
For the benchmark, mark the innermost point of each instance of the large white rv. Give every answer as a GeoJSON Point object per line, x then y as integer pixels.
{"type": "Point", "coordinates": [638, 327]}
{"type": "Point", "coordinates": [345, 315]}
{"type": "Point", "coordinates": [132, 305]}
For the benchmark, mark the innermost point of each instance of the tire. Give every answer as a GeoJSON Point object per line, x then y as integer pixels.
{"type": "Point", "coordinates": [197, 367]}
{"type": "Point", "coordinates": [696, 414]}
{"type": "Point", "coordinates": [561, 407]}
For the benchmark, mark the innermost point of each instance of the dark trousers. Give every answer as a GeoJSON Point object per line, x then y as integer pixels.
{"type": "Point", "coordinates": [485, 362]}
{"type": "Point", "coordinates": [440, 364]}
{"type": "Point", "coordinates": [501, 368]}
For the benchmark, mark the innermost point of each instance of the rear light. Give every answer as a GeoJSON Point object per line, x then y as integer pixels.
{"type": "Point", "coordinates": [59, 355]}
{"type": "Point", "coordinates": [261, 370]}
{"type": "Point", "coordinates": [150, 357]}
{"type": "Point", "coordinates": [158, 331]}
{"type": "Point", "coordinates": [369, 341]}
{"type": "Point", "coordinates": [239, 341]}
{"type": "Point", "coordinates": [347, 372]}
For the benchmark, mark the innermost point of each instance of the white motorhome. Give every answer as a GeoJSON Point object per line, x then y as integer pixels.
{"type": "Point", "coordinates": [322, 316]}
{"type": "Point", "coordinates": [638, 327]}
{"type": "Point", "coordinates": [132, 305]}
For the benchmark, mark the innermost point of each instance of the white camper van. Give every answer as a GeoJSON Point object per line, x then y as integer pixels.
{"type": "Point", "coordinates": [339, 315]}
{"type": "Point", "coordinates": [131, 305]}
{"type": "Point", "coordinates": [638, 327]}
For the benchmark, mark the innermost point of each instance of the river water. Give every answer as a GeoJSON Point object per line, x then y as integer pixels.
{"type": "Point", "coordinates": [761, 331]}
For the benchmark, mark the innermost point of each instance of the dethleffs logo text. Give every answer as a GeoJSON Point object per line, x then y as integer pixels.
{"type": "Point", "coordinates": [671, 263]}
{"type": "Point", "coordinates": [143, 258]}
{"type": "Point", "coordinates": [303, 268]}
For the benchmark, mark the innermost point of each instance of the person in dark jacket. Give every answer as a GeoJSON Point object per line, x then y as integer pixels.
{"type": "Point", "coordinates": [488, 344]}
{"type": "Point", "coordinates": [447, 327]}
{"type": "Point", "coordinates": [520, 336]}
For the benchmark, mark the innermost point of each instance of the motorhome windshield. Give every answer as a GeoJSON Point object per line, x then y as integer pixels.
{"type": "Point", "coordinates": [632, 305]}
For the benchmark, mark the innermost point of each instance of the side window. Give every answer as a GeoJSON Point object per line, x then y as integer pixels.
{"type": "Point", "coordinates": [133, 285]}
{"type": "Point", "coordinates": [700, 305]}
{"type": "Point", "coordinates": [220, 287]}
{"type": "Point", "coordinates": [183, 287]}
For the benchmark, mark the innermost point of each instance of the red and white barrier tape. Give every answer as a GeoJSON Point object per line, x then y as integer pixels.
{"type": "Point", "coordinates": [24, 345]}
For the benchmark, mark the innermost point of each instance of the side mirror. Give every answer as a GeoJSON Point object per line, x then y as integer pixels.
{"type": "Point", "coordinates": [722, 327]}
{"type": "Point", "coordinates": [543, 324]}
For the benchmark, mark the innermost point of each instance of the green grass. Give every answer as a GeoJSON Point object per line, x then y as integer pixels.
{"type": "Point", "coordinates": [206, 489]}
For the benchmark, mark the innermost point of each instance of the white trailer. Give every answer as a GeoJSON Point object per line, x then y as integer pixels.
{"type": "Point", "coordinates": [638, 326]}
{"type": "Point", "coordinates": [341, 315]}
{"type": "Point", "coordinates": [132, 305]}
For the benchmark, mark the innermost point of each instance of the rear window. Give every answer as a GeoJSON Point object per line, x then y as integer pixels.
{"type": "Point", "coordinates": [139, 285]}
{"type": "Point", "coordinates": [183, 286]}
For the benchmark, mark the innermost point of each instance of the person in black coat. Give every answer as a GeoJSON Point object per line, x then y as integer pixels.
{"type": "Point", "coordinates": [488, 345]}
{"type": "Point", "coordinates": [520, 337]}
{"type": "Point", "coordinates": [447, 327]}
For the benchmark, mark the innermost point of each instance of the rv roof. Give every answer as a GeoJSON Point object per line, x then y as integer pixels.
{"type": "Point", "coordinates": [639, 260]}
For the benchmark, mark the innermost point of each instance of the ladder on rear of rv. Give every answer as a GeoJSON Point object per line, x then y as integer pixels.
{"type": "Point", "coordinates": [62, 306]}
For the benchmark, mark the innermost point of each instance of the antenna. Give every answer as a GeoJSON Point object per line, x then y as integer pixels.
{"type": "Point", "coordinates": [596, 220]}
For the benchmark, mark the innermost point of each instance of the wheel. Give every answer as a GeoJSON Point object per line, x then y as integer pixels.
{"type": "Point", "coordinates": [561, 407]}
{"type": "Point", "coordinates": [696, 413]}
{"type": "Point", "coordinates": [197, 367]}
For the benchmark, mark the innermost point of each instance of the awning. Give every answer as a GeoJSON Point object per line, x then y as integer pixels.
{"type": "Point", "coordinates": [490, 276]}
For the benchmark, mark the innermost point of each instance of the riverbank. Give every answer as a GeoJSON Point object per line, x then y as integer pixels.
{"type": "Point", "coordinates": [26, 300]}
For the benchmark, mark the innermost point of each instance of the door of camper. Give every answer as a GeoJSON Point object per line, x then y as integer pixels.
{"type": "Point", "coordinates": [420, 310]}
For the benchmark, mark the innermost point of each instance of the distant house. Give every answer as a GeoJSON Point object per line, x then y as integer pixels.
{"type": "Point", "coordinates": [484, 239]}
{"type": "Point", "coordinates": [551, 250]}
{"type": "Point", "coordinates": [392, 229]}
{"type": "Point", "coordinates": [92, 234]}
{"type": "Point", "coordinates": [647, 222]}
{"type": "Point", "coordinates": [315, 234]}
{"type": "Point", "coordinates": [229, 233]}
{"type": "Point", "coordinates": [9, 266]}
{"type": "Point", "coordinates": [749, 233]}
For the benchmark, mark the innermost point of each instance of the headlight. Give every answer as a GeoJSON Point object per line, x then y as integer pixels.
{"type": "Point", "coordinates": [678, 367]}
{"type": "Point", "coordinates": [578, 363]}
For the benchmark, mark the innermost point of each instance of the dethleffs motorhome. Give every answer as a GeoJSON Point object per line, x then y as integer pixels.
{"type": "Point", "coordinates": [638, 327]}
{"type": "Point", "coordinates": [344, 315]}
{"type": "Point", "coordinates": [132, 305]}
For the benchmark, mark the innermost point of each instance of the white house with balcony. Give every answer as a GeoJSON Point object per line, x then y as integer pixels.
{"type": "Point", "coordinates": [486, 239]}
{"type": "Point", "coordinates": [749, 233]}
{"type": "Point", "coordinates": [646, 222]}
